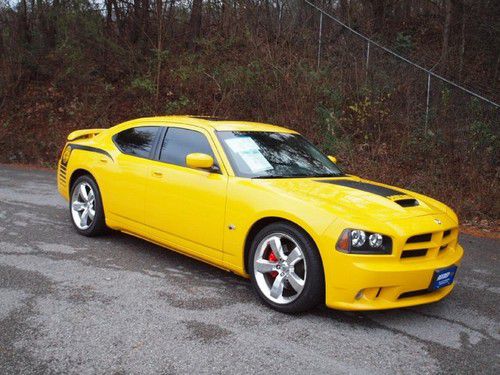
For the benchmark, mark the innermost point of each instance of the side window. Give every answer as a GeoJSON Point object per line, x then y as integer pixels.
{"type": "Point", "coordinates": [179, 143]}
{"type": "Point", "coordinates": [136, 141]}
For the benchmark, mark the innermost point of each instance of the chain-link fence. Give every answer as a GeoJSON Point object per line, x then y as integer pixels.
{"type": "Point", "coordinates": [443, 128]}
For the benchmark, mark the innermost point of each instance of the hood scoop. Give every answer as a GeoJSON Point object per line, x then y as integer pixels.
{"type": "Point", "coordinates": [407, 202]}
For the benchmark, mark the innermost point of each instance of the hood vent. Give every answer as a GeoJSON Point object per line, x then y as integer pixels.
{"type": "Point", "coordinates": [407, 202]}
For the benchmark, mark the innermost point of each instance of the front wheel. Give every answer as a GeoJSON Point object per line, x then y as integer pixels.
{"type": "Point", "coordinates": [85, 207]}
{"type": "Point", "coordinates": [286, 269]}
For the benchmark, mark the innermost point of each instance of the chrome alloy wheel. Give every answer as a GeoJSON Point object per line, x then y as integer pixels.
{"type": "Point", "coordinates": [280, 268]}
{"type": "Point", "coordinates": [83, 205]}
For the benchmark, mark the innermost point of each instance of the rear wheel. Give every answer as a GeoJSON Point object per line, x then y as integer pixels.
{"type": "Point", "coordinates": [85, 207]}
{"type": "Point", "coordinates": [286, 269]}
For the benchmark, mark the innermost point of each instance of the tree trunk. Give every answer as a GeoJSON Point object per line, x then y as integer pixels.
{"type": "Point", "coordinates": [159, 48]}
{"type": "Point", "coordinates": [24, 29]}
{"type": "Point", "coordinates": [52, 25]}
{"type": "Point", "coordinates": [136, 16]}
{"type": "Point", "coordinates": [304, 15]}
{"type": "Point", "coordinates": [378, 7]}
{"type": "Point", "coordinates": [144, 22]}
{"type": "Point", "coordinates": [109, 13]}
{"type": "Point", "coordinates": [195, 22]}
{"type": "Point", "coordinates": [225, 17]}
{"type": "Point", "coordinates": [496, 69]}
{"type": "Point", "coordinates": [171, 17]}
{"type": "Point", "coordinates": [462, 41]}
{"type": "Point", "coordinates": [1, 45]}
{"type": "Point", "coordinates": [118, 16]}
{"type": "Point", "coordinates": [345, 11]}
{"type": "Point", "coordinates": [41, 22]}
{"type": "Point", "coordinates": [446, 31]}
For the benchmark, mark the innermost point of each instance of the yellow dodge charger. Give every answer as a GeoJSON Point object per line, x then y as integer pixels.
{"type": "Point", "coordinates": [263, 202]}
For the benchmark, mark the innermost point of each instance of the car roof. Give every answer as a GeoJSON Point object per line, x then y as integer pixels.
{"type": "Point", "coordinates": [215, 123]}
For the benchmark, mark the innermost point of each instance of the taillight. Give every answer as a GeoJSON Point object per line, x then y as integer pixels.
{"type": "Point", "coordinates": [66, 154]}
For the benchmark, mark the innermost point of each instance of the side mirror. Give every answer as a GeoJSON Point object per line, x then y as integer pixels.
{"type": "Point", "coordinates": [332, 158]}
{"type": "Point", "coordinates": [199, 161]}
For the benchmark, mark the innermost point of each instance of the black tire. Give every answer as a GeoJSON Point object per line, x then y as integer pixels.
{"type": "Point", "coordinates": [312, 293]}
{"type": "Point", "coordinates": [98, 224]}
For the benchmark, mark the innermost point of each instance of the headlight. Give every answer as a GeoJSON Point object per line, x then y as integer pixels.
{"type": "Point", "coordinates": [354, 241]}
{"type": "Point", "coordinates": [375, 240]}
{"type": "Point", "coordinates": [358, 238]}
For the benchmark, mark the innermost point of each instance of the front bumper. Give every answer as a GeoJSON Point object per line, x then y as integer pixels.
{"type": "Point", "coordinates": [374, 287]}
{"type": "Point", "coordinates": [376, 282]}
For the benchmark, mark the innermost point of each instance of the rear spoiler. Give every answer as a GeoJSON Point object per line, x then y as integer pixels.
{"type": "Point", "coordinates": [84, 133]}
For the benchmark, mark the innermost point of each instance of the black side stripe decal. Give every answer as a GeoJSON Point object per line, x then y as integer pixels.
{"type": "Point", "coordinates": [370, 188]}
{"type": "Point", "coordinates": [91, 149]}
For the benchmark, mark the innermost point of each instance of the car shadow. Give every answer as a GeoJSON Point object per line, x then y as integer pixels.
{"type": "Point", "coordinates": [136, 254]}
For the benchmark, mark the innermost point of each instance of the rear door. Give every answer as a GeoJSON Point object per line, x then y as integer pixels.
{"type": "Point", "coordinates": [185, 207]}
{"type": "Point", "coordinates": [129, 175]}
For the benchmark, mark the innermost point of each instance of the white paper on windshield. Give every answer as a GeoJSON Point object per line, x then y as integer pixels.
{"type": "Point", "coordinates": [249, 151]}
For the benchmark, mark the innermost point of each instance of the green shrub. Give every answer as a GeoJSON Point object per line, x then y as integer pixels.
{"type": "Point", "coordinates": [144, 84]}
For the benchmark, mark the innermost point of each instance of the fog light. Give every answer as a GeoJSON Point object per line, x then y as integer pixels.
{"type": "Point", "coordinates": [358, 238]}
{"type": "Point", "coordinates": [375, 240]}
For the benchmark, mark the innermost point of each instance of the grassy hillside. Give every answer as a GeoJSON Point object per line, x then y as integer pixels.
{"type": "Point", "coordinates": [67, 65]}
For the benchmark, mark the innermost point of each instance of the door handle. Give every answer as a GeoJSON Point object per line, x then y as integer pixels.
{"type": "Point", "coordinates": [103, 160]}
{"type": "Point", "coordinates": [157, 174]}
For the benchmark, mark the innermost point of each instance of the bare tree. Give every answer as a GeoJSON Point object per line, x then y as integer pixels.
{"type": "Point", "coordinates": [24, 28]}
{"type": "Point", "coordinates": [195, 21]}
{"type": "Point", "coordinates": [446, 31]}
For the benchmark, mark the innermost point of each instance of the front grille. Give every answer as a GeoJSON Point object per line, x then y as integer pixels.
{"type": "Point", "coordinates": [430, 245]}
{"type": "Point", "coordinates": [414, 253]}
{"type": "Point", "coordinates": [420, 238]}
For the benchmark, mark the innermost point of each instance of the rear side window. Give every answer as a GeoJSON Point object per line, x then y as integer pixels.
{"type": "Point", "coordinates": [179, 143]}
{"type": "Point", "coordinates": [137, 141]}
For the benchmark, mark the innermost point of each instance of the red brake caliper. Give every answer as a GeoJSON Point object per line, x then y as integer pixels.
{"type": "Point", "coordinates": [272, 258]}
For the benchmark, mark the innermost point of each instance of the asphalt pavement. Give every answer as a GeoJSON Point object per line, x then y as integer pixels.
{"type": "Point", "coordinates": [119, 305]}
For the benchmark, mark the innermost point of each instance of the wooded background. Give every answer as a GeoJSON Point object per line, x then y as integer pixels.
{"type": "Point", "coordinates": [71, 64]}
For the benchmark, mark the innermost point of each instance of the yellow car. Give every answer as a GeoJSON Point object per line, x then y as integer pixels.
{"type": "Point", "coordinates": [261, 201]}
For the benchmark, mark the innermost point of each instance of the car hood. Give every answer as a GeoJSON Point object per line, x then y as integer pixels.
{"type": "Point", "coordinates": [355, 197]}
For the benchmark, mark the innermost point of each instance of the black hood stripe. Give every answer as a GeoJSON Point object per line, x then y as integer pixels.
{"type": "Point", "coordinates": [369, 188]}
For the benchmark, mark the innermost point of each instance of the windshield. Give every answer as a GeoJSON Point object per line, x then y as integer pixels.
{"type": "Point", "coordinates": [275, 155]}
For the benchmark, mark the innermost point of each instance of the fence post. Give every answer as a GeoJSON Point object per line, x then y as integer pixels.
{"type": "Point", "coordinates": [367, 55]}
{"type": "Point", "coordinates": [319, 36]}
{"type": "Point", "coordinates": [428, 100]}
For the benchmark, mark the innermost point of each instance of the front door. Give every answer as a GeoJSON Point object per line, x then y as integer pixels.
{"type": "Point", "coordinates": [185, 207]}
